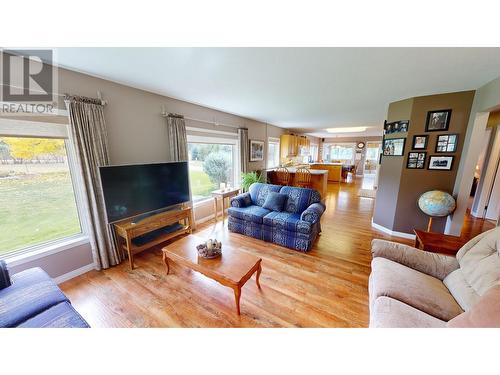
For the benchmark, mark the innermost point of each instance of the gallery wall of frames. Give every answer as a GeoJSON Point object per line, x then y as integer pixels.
{"type": "Point", "coordinates": [442, 158]}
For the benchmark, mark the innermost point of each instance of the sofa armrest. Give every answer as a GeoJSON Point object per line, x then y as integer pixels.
{"type": "Point", "coordinates": [4, 275]}
{"type": "Point", "coordinates": [241, 200]}
{"type": "Point", "coordinates": [313, 213]}
{"type": "Point", "coordinates": [432, 264]}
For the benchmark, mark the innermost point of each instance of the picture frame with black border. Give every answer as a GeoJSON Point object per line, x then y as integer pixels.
{"type": "Point", "coordinates": [438, 121]}
{"type": "Point", "coordinates": [446, 143]}
{"type": "Point", "coordinates": [393, 146]}
{"type": "Point", "coordinates": [394, 127]}
{"type": "Point", "coordinates": [417, 141]}
{"type": "Point", "coordinates": [441, 162]}
{"type": "Point", "coordinates": [416, 160]}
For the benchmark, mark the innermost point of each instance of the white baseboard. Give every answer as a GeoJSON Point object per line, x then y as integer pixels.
{"type": "Point", "coordinates": [74, 273]}
{"type": "Point", "coordinates": [205, 219]}
{"type": "Point", "coordinates": [393, 232]}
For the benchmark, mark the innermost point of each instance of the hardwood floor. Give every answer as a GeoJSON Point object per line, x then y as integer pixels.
{"type": "Point", "coordinates": [327, 287]}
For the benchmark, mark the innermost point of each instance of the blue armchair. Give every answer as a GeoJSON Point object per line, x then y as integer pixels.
{"type": "Point", "coordinates": [295, 226]}
{"type": "Point", "coordinates": [31, 299]}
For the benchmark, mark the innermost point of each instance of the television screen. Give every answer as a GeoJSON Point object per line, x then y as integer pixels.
{"type": "Point", "coordinates": [131, 190]}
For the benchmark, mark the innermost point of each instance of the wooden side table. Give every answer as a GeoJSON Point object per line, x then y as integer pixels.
{"type": "Point", "coordinates": [438, 242]}
{"type": "Point", "coordinates": [223, 195]}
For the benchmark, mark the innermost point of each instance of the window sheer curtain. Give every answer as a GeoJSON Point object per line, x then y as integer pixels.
{"type": "Point", "coordinates": [88, 131]}
{"type": "Point", "coordinates": [244, 149]}
{"type": "Point", "coordinates": [177, 139]}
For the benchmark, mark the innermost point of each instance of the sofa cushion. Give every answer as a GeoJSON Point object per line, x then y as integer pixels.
{"type": "Point", "coordinates": [484, 314]}
{"type": "Point", "coordinates": [287, 221]}
{"type": "Point", "coordinates": [4, 275]}
{"type": "Point", "coordinates": [387, 312]}
{"type": "Point", "coordinates": [32, 291]}
{"type": "Point", "coordinates": [412, 287]}
{"type": "Point", "coordinates": [275, 201]}
{"type": "Point", "coordinates": [62, 315]}
{"type": "Point", "coordinates": [258, 192]}
{"type": "Point", "coordinates": [461, 290]}
{"type": "Point", "coordinates": [299, 198]}
{"type": "Point", "coordinates": [252, 213]}
{"type": "Point", "coordinates": [479, 261]}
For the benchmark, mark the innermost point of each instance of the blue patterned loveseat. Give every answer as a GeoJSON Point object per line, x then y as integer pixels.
{"type": "Point", "coordinates": [296, 226]}
{"type": "Point", "coordinates": [31, 299]}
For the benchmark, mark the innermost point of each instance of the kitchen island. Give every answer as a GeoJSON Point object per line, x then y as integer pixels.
{"type": "Point", "coordinates": [334, 170]}
{"type": "Point", "coordinates": [319, 179]}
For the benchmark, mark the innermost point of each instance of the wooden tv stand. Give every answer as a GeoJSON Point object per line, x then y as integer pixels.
{"type": "Point", "coordinates": [127, 230]}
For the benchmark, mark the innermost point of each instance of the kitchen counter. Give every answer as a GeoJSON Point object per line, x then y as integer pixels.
{"type": "Point", "coordinates": [319, 179]}
{"type": "Point", "coordinates": [313, 171]}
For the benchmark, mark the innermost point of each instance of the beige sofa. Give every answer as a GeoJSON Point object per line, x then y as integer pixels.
{"type": "Point", "coordinates": [414, 288]}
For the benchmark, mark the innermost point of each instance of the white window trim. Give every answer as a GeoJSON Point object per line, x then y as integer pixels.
{"type": "Point", "coordinates": [222, 141]}
{"type": "Point", "coordinates": [275, 141]}
{"type": "Point", "coordinates": [13, 128]}
{"type": "Point", "coordinates": [353, 159]}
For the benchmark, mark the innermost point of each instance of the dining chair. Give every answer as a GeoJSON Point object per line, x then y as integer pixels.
{"type": "Point", "coordinates": [303, 178]}
{"type": "Point", "coordinates": [282, 176]}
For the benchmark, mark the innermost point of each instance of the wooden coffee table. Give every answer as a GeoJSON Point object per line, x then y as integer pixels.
{"type": "Point", "coordinates": [232, 269]}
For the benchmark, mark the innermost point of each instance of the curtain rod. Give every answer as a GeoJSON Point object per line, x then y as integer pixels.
{"type": "Point", "coordinates": [165, 114]}
{"type": "Point", "coordinates": [99, 95]}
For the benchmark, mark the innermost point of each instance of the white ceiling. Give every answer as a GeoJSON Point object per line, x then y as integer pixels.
{"type": "Point", "coordinates": [305, 88]}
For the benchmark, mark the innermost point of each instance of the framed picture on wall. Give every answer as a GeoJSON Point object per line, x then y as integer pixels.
{"type": "Point", "coordinates": [441, 163]}
{"type": "Point", "coordinates": [416, 160]}
{"type": "Point", "coordinates": [396, 127]}
{"type": "Point", "coordinates": [447, 143]}
{"type": "Point", "coordinates": [256, 150]}
{"type": "Point", "coordinates": [420, 142]}
{"type": "Point", "coordinates": [394, 146]}
{"type": "Point", "coordinates": [438, 120]}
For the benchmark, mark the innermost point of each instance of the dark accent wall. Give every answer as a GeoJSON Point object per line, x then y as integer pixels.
{"type": "Point", "coordinates": [399, 187]}
{"type": "Point", "coordinates": [390, 172]}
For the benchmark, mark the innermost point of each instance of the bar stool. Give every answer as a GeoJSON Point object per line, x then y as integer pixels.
{"type": "Point", "coordinates": [282, 176]}
{"type": "Point", "coordinates": [303, 178]}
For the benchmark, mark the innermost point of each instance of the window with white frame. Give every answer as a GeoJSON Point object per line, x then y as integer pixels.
{"type": "Point", "coordinates": [313, 152]}
{"type": "Point", "coordinates": [339, 152]}
{"type": "Point", "coordinates": [212, 161]}
{"type": "Point", "coordinates": [38, 205]}
{"type": "Point", "coordinates": [273, 152]}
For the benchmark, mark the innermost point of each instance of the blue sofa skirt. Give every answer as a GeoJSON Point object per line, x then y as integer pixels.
{"type": "Point", "coordinates": [278, 235]}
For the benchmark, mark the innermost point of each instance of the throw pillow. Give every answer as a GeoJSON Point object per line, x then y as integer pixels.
{"type": "Point", "coordinates": [275, 201]}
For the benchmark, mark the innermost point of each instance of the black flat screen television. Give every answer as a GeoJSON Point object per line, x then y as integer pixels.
{"type": "Point", "coordinates": [131, 190]}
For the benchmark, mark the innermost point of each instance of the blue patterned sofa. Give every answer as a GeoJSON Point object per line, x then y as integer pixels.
{"type": "Point", "coordinates": [296, 226]}
{"type": "Point", "coordinates": [31, 299]}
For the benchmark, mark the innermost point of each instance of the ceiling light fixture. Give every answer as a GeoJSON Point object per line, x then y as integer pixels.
{"type": "Point", "coordinates": [354, 129]}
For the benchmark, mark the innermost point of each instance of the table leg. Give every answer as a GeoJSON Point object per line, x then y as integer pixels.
{"type": "Point", "coordinates": [259, 270]}
{"type": "Point", "coordinates": [237, 295]}
{"type": "Point", "coordinates": [223, 210]}
{"type": "Point", "coordinates": [165, 260]}
{"type": "Point", "coordinates": [215, 209]}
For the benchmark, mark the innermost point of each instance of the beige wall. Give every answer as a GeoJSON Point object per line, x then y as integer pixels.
{"type": "Point", "coordinates": [137, 134]}
{"type": "Point", "coordinates": [486, 99]}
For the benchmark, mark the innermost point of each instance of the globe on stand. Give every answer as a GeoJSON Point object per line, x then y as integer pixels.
{"type": "Point", "coordinates": [436, 203]}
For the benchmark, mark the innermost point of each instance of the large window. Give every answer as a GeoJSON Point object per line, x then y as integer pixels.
{"type": "Point", "coordinates": [211, 162]}
{"type": "Point", "coordinates": [37, 199]}
{"type": "Point", "coordinates": [340, 152]}
{"type": "Point", "coordinates": [273, 152]}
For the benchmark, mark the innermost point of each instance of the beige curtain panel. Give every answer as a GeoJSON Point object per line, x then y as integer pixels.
{"type": "Point", "coordinates": [177, 139]}
{"type": "Point", "coordinates": [88, 130]}
{"type": "Point", "coordinates": [244, 149]}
